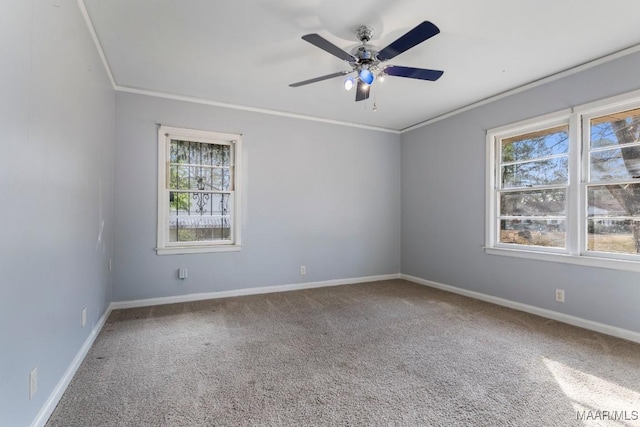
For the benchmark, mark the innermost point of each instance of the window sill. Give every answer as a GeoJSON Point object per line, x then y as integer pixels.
{"type": "Point", "coordinates": [182, 250]}
{"type": "Point", "coordinates": [586, 260]}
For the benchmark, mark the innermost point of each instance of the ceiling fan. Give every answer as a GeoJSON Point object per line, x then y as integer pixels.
{"type": "Point", "coordinates": [367, 62]}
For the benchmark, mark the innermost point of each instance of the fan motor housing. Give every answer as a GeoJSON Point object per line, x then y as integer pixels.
{"type": "Point", "coordinates": [365, 54]}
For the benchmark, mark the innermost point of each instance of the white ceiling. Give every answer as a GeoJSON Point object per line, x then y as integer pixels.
{"type": "Point", "coordinates": [247, 52]}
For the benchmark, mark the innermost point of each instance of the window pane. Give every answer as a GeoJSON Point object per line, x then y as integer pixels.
{"type": "Point", "coordinates": [221, 179]}
{"type": "Point", "coordinates": [199, 153]}
{"type": "Point", "coordinates": [617, 163]}
{"type": "Point", "coordinates": [198, 228]}
{"type": "Point", "coordinates": [179, 151]}
{"type": "Point", "coordinates": [535, 173]}
{"type": "Point", "coordinates": [618, 236]}
{"type": "Point", "coordinates": [548, 233]}
{"type": "Point", "coordinates": [533, 203]}
{"type": "Point", "coordinates": [614, 200]}
{"type": "Point", "coordinates": [179, 177]}
{"type": "Point", "coordinates": [536, 144]}
{"type": "Point", "coordinates": [220, 203]}
{"type": "Point", "coordinates": [188, 203]}
{"type": "Point", "coordinates": [199, 178]}
{"type": "Point", "coordinates": [615, 129]}
{"type": "Point", "coordinates": [223, 155]}
{"type": "Point", "coordinates": [195, 152]}
{"type": "Point", "coordinates": [199, 216]}
{"type": "Point", "coordinates": [215, 155]}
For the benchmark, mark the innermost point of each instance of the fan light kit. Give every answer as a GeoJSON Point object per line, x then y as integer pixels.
{"type": "Point", "coordinates": [365, 60]}
{"type": "Point", "coordinates": [348, 83]}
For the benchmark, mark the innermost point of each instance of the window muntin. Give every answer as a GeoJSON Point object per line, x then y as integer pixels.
{"type": "Point", "coordinates": [601, 222]}
{"type": "Point", "coordinates": [613, 185]}
{"type": "Point", "coordinates": [197, 193]}
{"type": "Point", "coordinates": [531, 191]}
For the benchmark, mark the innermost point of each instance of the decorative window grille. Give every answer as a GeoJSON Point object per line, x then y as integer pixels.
{"type": "Point", "coordinates": [198, 191]}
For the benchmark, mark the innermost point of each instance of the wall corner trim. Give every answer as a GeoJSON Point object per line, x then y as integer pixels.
{"type": "Point", "coordinates": [542, 312]}
{"type": "Point", "coordinates": [96, 41]}
{"type": "Point", "coordinates": [52, 401]}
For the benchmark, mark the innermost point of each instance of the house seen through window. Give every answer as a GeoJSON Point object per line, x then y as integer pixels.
{"type": "Point", "coordinates": [568, 184]}
{"type": "Point", "coordinates": [613, 192]}
{"type": "Point", "coordinates": [534, 177]}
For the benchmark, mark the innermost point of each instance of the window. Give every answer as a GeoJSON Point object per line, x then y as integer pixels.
{"type": "Point", "coordinates": [613, 183]}
{"type": "Point", "coordinates": [198, 191]}
{"type": "Point", "coordinates": [566, 187]}
{"type": "Point", "coordinates": [532, 190]}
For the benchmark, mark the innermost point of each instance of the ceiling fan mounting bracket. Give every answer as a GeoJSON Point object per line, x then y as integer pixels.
{"type": "Point", "coordinates": [364, 33]}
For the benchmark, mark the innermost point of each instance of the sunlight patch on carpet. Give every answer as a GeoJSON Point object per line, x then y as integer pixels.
{"type": "Point", "coordinates": [596, 400]}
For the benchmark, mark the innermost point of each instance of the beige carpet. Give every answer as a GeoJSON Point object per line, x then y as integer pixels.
{"type": "Point", "coordinates": [383, 353]}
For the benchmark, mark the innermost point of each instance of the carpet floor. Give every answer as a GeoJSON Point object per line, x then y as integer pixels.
{"type": "Point", "coordinates": [381, 353]}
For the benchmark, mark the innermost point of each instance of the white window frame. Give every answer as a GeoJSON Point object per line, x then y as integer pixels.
{"type": "Point", "coordinates": [165, 135]}
{"type": "Point", "coordinates": [550, 121]}
{"type": "Point", "coordinates": [576, 226]}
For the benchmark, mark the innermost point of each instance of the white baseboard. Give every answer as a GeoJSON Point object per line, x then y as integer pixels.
{"type": "Point", "coordinates": [549, 314]}
{"type": "Point", "coordinates": [51, 403]}
{"type": "Point", "coordinates": [249, 291]}
{"type": "Point", "coordinates": [55, 396]}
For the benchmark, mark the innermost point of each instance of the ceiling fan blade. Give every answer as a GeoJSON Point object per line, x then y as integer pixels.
{"type": "Point", "coordinates": [319, 79]}
{"type": "Point", "coordinates": [362, 91]}
{"type": "Point", "coordinates": [327, 46]}
{"type": "Point", "coordinates": [416, 36]}
{"type": "Point", "coordinates": [413, 73]}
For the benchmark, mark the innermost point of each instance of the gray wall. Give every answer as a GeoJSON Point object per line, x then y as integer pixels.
{"type": "Point", "coordinates": [322, 195]}
{"type": "Point", "coordinates": [443, 206]}
{"type": "Point", "coordinates": [315, 194]}
{"type": "Point", "coordinates": [56, 185]}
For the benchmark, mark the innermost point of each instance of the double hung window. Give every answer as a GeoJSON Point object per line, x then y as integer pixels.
{"type": "Point", "coordinates": [198, 203]}
{"type": "Point", "coordinates": [613, 182]}
{"type": "Point", "coordinates": [532, 188]}
{"type": "Point", "coordinates": [566, 187]}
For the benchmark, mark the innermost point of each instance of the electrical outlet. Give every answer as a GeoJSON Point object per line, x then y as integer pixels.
{"type": "Point", "coordinates": [33, 382]}
{"type": "Point", "coordinates": [303, 270]}
{"type": "Point", "coordinates": [560, 295]}
{"type": "Point", "coordinates": [182, 273]}
{"type": "Point", "coordinates": [84, 317]}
